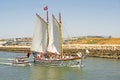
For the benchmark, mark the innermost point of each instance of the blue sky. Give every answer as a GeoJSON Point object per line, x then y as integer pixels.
{"type": "Point", "coordinates": [79, 17]}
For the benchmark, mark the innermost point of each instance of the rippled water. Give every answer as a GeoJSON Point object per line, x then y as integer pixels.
{"type": "Point", "coordinates": [94, 69]}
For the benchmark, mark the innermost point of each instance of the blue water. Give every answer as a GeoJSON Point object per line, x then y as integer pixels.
{"type": "Point", "coordinates": [94, 69]}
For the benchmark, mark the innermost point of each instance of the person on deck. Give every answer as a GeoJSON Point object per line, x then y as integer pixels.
{"type": "Point", "coordinates": [28, 54]}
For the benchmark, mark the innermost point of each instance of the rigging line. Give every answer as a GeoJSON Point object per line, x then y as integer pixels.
{"type": "Point", "coordinates": [65, 30]}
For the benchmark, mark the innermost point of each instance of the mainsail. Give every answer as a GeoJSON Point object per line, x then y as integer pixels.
{"type": "Point", "coordinates": [54, 37]}
{"type": "Point", "coordinates": [40, 36]}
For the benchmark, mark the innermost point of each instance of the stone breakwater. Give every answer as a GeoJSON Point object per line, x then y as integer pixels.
{"type": "Point", "coordinates": [96, 50]}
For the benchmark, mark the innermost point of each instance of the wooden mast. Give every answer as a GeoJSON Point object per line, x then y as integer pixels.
{"type": "Point", "coordinates": [47, 20]}
{"type": "Point", "coordinates": [60, 25]}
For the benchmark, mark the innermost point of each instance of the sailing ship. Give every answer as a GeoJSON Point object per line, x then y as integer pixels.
{"type": "Point", "coordinates": [47, 44]}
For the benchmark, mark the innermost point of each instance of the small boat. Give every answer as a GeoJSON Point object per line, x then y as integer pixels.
{"type": "Point", "coordinates": [47, 46]}
{"type": "Point", "coordinates": [21, 61]}
{"type": "Point", "coordinates": [18, 61]}
{"type": "Point", "coordinates": [21, 64]}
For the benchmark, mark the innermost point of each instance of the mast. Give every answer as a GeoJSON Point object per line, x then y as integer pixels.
{"type": "Point", "coordinates": [47, 20]}
{"type": "Point", "coordinates": [61, 35]}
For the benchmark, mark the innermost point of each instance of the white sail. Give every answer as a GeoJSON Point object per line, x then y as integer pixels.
{"type": "Point", "coordinates": [42, 44]}
{"type": "Point", "coordinates": [54, 37]}
{"type": "Point", "coordinates": [40, 36]}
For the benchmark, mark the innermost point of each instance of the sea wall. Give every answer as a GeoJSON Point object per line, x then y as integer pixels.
{"type": "Point", "coordinates": [96, 50]}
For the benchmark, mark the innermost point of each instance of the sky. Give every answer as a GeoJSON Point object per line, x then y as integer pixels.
{"type": "Point", "coordinates": [79, 17]}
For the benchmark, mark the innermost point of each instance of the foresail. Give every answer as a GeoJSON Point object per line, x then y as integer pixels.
{"type": "Point", "coordinates": [40, 36]}
{"type": "Point", "coordinates": [54, 38]}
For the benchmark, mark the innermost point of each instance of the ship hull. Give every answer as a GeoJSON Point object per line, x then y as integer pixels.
{"type": "Point", "coordinates": [21, 64]}
{"type": "Point", "coordinates": [76, 62]}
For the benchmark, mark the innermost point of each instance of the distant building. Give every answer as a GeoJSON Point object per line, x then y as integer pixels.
{"type": "Point", "coordinates": [18, 41]}
{"type": "Point", "coordinates": [2, 42]}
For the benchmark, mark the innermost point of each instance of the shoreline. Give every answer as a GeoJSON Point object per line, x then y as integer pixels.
{"type": "Point", "coordinates": [15, 48]}
{"type": "Point", "coordinates": [96, 50]}
{"type": "Point", "coordinates": [111, 51]}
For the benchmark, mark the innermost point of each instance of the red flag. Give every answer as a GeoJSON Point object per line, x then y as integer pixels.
{"type": "Point", "coordinates": [46, 8]}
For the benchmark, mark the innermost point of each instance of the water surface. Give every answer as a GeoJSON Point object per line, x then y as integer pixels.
{"type": "Point", "coordinates": [94, 69]}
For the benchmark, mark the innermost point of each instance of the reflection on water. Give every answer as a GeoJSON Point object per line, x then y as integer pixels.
{"type": "Point", "coordinates": [94, 69]}
{"type": "Point", "coordinates": [54, 73]}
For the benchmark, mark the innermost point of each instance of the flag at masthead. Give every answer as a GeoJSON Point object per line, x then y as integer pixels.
{"type": "Point", "coordinates": [46, 9]}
